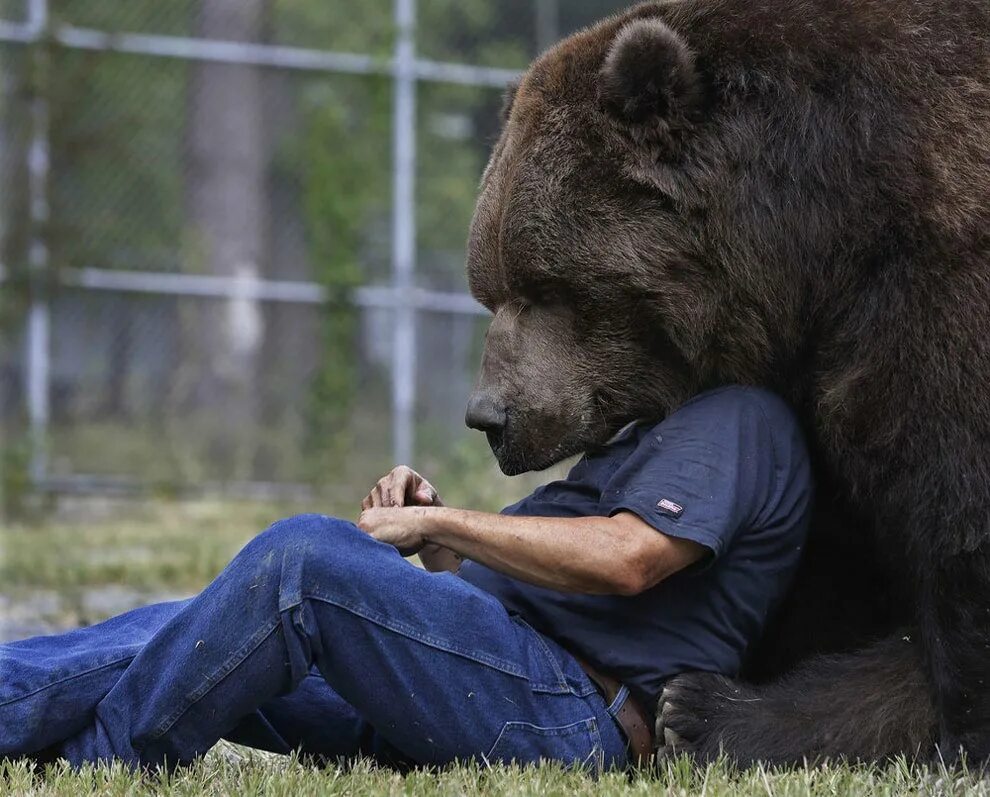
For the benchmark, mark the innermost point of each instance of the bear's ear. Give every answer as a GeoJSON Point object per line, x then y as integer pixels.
{"type": "Point", "coordinates": [649, 75]}
{"type": "Point", "coordinates": [508, 100]}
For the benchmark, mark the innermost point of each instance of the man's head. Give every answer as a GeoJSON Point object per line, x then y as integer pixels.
{"type": "Point", "coordinates": [583, 204]}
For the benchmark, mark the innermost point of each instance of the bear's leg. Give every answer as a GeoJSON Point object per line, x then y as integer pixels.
{"type": "Point", "coordinates": [865, 706]}
{"type": "Point", "coordinates": [955, 619]}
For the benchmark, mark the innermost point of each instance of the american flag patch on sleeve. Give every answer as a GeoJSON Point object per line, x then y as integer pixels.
{"type": "Point", "coordinates": [668, 507]}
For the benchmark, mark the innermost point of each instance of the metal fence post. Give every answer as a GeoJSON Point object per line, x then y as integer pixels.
{"type": "Point", "coordinates": [404, 232]}
{"type": "Point", "coordinates": [38, 354]}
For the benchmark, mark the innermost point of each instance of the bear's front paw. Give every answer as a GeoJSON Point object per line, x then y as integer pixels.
{"type": "Point", "coordinates": [691, 712]}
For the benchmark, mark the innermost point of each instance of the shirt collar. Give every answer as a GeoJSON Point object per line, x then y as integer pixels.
{"type": "Point", "coordinates": [623, 432]}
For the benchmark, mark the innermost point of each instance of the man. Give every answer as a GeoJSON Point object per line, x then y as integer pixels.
{"type": "Point", "coordinates": [665, 551]}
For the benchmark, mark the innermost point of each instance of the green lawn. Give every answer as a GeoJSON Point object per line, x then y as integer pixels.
{"type": "Point", "coordinates": [237, 772]}
{"type": "Point", "coordinates": [79, 569]}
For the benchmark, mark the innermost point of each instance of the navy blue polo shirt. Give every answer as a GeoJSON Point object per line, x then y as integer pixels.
{"type": "Point", "coordinates": [728, 470]}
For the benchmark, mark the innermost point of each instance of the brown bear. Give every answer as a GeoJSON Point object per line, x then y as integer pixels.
{"type": "Point", "coordinates": [794, 194]}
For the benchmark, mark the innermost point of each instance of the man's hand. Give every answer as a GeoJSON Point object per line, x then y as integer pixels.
{"type": "Point", "coordinates": [401, 486]}
{"type": "Point", "coordinates": [403, 528]}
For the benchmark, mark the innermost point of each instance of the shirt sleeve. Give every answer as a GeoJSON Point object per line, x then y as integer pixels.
{"type": "Point", "coordinates": [703, 474]}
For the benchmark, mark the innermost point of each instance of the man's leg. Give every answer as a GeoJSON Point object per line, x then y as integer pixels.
{"type": "Point", "coordinates": [50, 686]}
{"type": "Point", "coordinates": [315, 721]}
{"type": "Point", "coordinates": [436, 666]}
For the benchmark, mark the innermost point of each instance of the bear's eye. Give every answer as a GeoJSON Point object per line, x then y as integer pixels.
{"type": "Point", "coordinates": [546, 293]}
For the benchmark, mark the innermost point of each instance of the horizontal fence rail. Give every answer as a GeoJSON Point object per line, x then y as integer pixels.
{"type": "Point", "coordinates": [263, 290]}
{"type": "Point", "coordinates": [255, 54]}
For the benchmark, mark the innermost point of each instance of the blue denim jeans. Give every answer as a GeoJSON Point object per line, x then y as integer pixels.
{"type": "Point", "coordinates": [315, 637]}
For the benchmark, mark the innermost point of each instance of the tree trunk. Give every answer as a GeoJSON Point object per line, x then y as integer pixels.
{"type": "Point", "coordinates": [226, 163]}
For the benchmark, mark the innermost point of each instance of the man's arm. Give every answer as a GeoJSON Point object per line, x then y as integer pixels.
{"type": "Point", "coordinates": [619, 555]}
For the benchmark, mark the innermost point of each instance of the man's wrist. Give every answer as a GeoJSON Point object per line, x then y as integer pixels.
{"type": "Point", "coordinates": [441, 525]}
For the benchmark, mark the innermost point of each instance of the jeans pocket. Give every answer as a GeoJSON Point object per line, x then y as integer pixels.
{"type": "Point", "coordinates": [576, 745]}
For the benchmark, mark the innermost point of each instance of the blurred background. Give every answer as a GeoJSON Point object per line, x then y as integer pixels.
{"type": "Point", "coordinates": [232, 272]}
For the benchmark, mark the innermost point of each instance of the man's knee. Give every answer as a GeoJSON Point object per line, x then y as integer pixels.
{"type": "Point", "coordinates": [308, 552]}
{"type": "Point", "coordinates": [306, 533]}
{"type": "Point", "coordinates": [300, 538]}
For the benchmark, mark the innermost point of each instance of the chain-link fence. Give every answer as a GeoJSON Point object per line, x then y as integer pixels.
{"type": "Point", "coordinates": [232, 232]}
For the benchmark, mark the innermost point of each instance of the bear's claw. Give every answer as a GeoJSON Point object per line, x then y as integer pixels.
{"type": "Point", "coordinates": [688, 714]}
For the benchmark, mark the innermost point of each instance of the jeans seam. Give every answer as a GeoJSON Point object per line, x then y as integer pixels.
{"type": "Point", "coordinates": [434, 642]}
{"type": "Point", "coordinates": [590, 724]}
{"type": "Point", "coordinates": [554, 664]}
{"type": "Point", "coordinates": [64, 680]}
{"type": "Point", "coordinates": [561, 687]}
{"type": "Point", "coordinates": [231, 664]}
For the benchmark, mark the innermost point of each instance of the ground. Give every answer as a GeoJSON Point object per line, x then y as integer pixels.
{"type": "Point", "coordinates": [86, 564]}
{"type": "Point", "coordinates": [224, 773]}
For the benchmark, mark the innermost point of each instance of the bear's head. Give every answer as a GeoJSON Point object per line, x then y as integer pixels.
{"type": "Point", "coordinates": [681, 197]}
{"type": "Point", "coordinates": [586, 206]}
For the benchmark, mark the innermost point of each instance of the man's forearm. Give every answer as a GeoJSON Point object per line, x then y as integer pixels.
{"type": "Point", "coordinates": [591, 555]}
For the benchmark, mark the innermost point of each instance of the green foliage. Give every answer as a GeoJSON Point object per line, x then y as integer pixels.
{"type": "Point", "coordinates": [478, 31]}
{"type": "Point", "coordinates": [15, 481]}
{"type": "Point", "coordinates": [450, 163]}
{"type": "Point", "coordinates": [15, 131]}
{"type": "Point", "coordinates": [116, 191]}
{"type": "Point", "coordinates": [342, 158]}
{"type": "Point", "coordinates": [342, 25]}
{"type": "Point", "coordinates": [344, 183]}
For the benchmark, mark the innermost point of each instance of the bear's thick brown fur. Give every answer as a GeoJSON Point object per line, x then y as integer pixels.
{"type": "Point", "coordinates": [792, 193]}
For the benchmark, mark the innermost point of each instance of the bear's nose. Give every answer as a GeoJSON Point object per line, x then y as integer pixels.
{"type": "Point", "coordinates": [483, 414]}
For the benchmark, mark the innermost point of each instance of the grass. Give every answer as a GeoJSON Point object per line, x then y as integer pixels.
{"type": "Point", "coordinates": [53, 571]}
{"type": "Point", "coordinates": [174, 549]}
{"type": "Point", "coordinates": [236, 772]}
{"type": "Point", "coordinates": [161, 545]}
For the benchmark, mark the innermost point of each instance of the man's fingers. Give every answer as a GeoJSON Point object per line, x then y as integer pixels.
{"type": "Point", "coordinates": [407, 484]}
{"type": "Point", "coordinates": [425, 495]}
{"type": "Point", "coordinates": [398, 485]}
{"type": "Point", "coordinates": [366, 522]}
{"type": "Point", "coordinates": [366, 503]}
